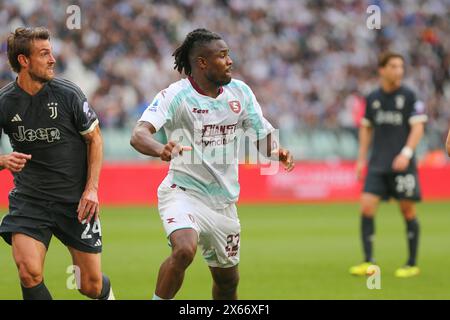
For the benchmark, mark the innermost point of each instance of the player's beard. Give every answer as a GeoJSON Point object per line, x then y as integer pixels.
{"type": "Point", "coordinates": [395, 82]}
{"type": "Point", "coordinates": [219, 82]}
{"type": "Point", "coordinates": [41, 78]}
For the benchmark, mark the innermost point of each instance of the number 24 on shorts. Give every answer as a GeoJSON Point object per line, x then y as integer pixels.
{"type": "Point", "coordinates": [96, 228]}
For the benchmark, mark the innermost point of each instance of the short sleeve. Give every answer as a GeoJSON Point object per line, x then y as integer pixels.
{"type": "Point", "coordinates": [2, 121]}
{"type": "Point", "coordinates": [85, 118]}
{"type": "Point", "coordinates": [254, 124]}
{"type": "Point", "coordinates": [367, 120]}
{"type": "Point", "coordinates": [158, 112]}
{"type": "Point", "coordinates": [417, 112]}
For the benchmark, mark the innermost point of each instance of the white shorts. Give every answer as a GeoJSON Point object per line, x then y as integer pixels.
{"type": "Point", "coordinates": [218, 230]}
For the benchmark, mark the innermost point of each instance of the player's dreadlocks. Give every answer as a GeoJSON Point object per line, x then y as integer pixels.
{"type": "Point", "coordinates": [194, 38]}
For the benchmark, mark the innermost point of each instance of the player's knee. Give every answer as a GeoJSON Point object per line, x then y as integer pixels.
{"type": "Point", "coordinates": [367, 211]}
{"type": "Point", "coordinates": [30, 274]}
{"type": "Point", "coordinates": [184, 255]}
{"type": "Point", "coordinates": [91, 286]}
{"type": "Point", "coordinates": [408, 214]}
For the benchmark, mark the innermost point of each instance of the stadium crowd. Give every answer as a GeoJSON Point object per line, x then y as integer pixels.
{"type": "Point", "coordinates": [308, 62]}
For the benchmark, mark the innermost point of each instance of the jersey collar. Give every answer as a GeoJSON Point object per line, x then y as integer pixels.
{"type": "Point", "coordinates": [43, 89]}
{"type": "Point", "coordinates": [199, 90]}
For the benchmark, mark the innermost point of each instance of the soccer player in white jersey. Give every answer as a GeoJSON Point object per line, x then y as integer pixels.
{"type": "Point", "coordinates": [208, 112]}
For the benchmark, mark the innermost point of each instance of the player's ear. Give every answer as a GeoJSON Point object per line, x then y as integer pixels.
{"type": "Point", "coordinates": [202, 63]}
{"type": "Point", "coordinates": [23, 60]}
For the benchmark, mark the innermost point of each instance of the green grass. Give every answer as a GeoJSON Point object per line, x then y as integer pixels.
{"type": "Point", "coordinates": [288, 252]}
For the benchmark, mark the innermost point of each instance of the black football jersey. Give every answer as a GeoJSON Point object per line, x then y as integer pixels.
{"type": "Point", "coordinates": [391, 115]}
{"type": "Point", "coordinates": [49, 125]}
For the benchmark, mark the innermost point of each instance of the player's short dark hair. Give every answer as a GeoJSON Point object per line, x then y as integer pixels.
{"type": "Point", "coordinates": [19, 42]}
{"type": "Point", "coordinates": [384, 58]}
{"type": "Point", "coordinates": [193, 39]}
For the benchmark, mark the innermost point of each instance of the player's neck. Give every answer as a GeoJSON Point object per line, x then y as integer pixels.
{"type": "Point", "coordinates": [204, 86]}
{"type": "Point", "coordinates": [27, 84]}
{"type": "Point", "coordinates": [389, 87]}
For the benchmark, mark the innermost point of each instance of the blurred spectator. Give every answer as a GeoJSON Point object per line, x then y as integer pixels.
{"type": "Point", "coordinates": [309, 62]}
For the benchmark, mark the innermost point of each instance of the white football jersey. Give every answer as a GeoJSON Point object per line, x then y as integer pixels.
{"type": "Point", "coordinates": [213, 128]}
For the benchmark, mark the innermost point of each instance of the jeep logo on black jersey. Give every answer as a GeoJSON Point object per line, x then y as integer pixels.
{"type": "Point", "coordinates": [389, 117]}
{"type": "Point", "coordinates": [43, 134]}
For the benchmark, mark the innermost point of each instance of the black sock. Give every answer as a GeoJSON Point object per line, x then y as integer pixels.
{"type": "Point", "coordinates": [39, 292]}
{"type": "Point", "coordinates": [106, 287]}
{"type": "Point", "coordinates": [367, 233]}
{"type": "Point", "coordinates": [412, 229]}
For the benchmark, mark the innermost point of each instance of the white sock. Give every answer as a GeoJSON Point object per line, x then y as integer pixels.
{"type": "Point", "coordinates": [155, 297]}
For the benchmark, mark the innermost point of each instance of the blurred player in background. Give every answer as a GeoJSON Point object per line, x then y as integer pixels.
{"type": "Point", "coordinates": [196, 201]}
{"type": "Point", "coordinates": [395, 119]}
{"type": "Point", "coordinates": [56, 161]}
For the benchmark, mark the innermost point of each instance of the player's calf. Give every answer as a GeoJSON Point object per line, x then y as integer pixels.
{"type": "Point", "coordinates": [225, 283]}
{"type": "Point", "coordinates": [225, 290]}
{"type": "Point", "coordinates": [171, 272]}
{"type": "Point", "coordinates": [91, 286]}
{"type": "Point", "coordinates": [96, 287]}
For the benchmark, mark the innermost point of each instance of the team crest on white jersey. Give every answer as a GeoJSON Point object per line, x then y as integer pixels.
{"type": "Point", "coordinates": [53, 109]}
{"type": "Point", "coordinates": [399, 101]}
{"type": "Point", "coordinates": [376, 104]}
{"type": "Point", "coordinates": [235, 106]}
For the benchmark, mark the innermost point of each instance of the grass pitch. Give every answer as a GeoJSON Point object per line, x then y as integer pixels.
{"type": "Point", "coordinates": [287, 252]}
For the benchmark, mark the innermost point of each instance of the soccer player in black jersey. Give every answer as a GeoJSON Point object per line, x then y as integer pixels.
{"type": "Point", "coordinates": [56, 161]}
{"type": "Point", "coordinates": [394, 122]}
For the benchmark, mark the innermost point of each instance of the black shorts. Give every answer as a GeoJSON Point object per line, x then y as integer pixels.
{"type": "Point", "coordinates": [401, 185]}
{"type": "Point", "coordinates": [40, 219]}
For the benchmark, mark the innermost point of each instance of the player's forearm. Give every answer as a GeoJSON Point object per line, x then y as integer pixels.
{"type": "Point", "coordinates": [447, 144]}
{"type": "Point", "coordinates": [143, 141]}
{"type": "Point", "coordinates": [416, 133]}
{"type": "Point", "coordinates": [365, 136]}
{"type": "Point", "coordinates": [265, 145]}
{"type": "Point", "coordinates": [95, 159]}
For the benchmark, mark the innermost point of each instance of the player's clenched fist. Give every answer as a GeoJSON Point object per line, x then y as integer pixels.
{"type": "Point", "coordinates": [172, 150]}
{"type": "Point", "coordinates": [14, 161]}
